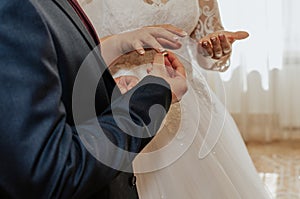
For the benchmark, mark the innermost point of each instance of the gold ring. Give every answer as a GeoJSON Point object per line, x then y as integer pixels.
{"type": "Point", "coordinates": [164, 53]}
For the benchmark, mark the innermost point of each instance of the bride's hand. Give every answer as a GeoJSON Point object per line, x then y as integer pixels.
{"type": "Point", "coordinates": [217, 45]}
{"type": "Point", "coordinates": [157, 37]}
{"type": "Point", "coordinates": [125, 83]}
{"type": "Point", "coordinates": [171, 70]}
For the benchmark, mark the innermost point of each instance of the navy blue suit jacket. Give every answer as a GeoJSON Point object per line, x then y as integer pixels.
{"type": "Point", "coordinates": [42, 46]}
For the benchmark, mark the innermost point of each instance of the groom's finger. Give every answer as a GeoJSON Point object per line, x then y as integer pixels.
{"type": "Point", "coordinates": [159, 64]}
{"type": "Point", "coordinates": [158, 61]}
{"type": "Point", "coordinates": [167, 61]}
{"type": "Point", "coordinates": [176, 64]}
{"type": "Point", "coordinates": [131, 81]}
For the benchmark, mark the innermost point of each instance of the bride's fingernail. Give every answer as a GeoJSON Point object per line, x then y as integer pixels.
{"type": "Point", "coordinates": [162, 50]}
{"type": "Point", "coordinates": [176, 38]}
{"type": "Point", "coordinates": [222, 37]}
{"type": "Point", "coordinates": [184, 33]}
{"type": "Point", "coordinates": [141, 52]}
{"type": "Point", "coordinates": [205, 43]}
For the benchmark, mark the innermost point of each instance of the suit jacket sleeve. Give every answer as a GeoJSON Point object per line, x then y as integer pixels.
{"type": "Point", "coordinates": [41, 155]}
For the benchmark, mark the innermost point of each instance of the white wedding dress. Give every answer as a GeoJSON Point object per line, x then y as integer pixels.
{"type": "Point", "coordinates": [198, 153]}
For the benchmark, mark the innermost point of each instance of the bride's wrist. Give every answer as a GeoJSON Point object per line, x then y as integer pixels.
{"type": "Point", "coordinates": [221, 65]}
{"type": "Point", "coordinates": [209, 63]}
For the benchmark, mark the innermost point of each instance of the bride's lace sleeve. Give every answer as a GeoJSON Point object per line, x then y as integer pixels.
{"type": "Point", "coordinates": [209, 20]}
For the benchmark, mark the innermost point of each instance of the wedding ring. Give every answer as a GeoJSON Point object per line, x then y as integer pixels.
{"type": "Point", "coordinates": [164, 53]}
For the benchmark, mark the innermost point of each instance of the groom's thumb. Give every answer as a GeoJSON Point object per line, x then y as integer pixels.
{"type": "Point", "coordinates": [159, 67]}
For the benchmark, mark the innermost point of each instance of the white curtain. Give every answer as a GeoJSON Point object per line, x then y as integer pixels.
{"type": "Point", "coordinates": [262, 86]}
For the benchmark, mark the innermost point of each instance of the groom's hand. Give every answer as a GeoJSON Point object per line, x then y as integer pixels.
{"type": "Point", "coordinates": [172, 71]}
{"type": "Point", "coordinates": [125, 83]}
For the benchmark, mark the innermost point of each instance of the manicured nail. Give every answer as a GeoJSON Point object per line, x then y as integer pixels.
{"type": "Point", "coordinates": [162, 50]}
{"type": "Point", "coordinates": [141, 52]}
{"type": "Point", "coordinates": [184, 33]}
{"type": "Point", "coordinates": [214, 39]}
{"type": "Point", "coordinates": [176, 38]}
{"type": "Point", "coordinates": [222, 36]}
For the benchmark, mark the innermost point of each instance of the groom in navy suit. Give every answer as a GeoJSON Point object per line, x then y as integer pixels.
{"type": "Point", "coordinates": [43, 43]}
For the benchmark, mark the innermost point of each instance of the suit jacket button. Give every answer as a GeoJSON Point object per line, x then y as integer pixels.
{"type": "Point", "coordinates": [133, 181]}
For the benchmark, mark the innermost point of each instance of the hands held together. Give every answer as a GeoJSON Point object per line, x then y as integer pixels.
{"type": "Point", "coordinates": [216, 46]}
{"type": "Point", "coordinates": [167, 67]}
{"type": "Point", "coordinates": [152, 37]}
{"type": "Point", "coordinates": [172, 71]}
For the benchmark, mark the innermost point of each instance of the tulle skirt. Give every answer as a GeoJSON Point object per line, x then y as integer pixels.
{"type": "Point", "coordinates": [198, 152]}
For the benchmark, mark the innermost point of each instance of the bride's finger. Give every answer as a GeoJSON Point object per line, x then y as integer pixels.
{"type": "Point", "coordinates": [217, 49]}
{"type": "Point", "coordinates": [207, 48]}
{"type": "Point", "coordinates": [238, 35]}
{"type": "Point", "coordinates": [176, 64]}
{"type": "Point", "coordinates": [151, 42]}
{"type": "Point", "coordinates": [138, 46]}
{"type": "Point", "coordinates": [168, 44]}
{"type": "Point", "coordinates": [225, 44]}
{"type": "Point", "coordinates": [172, 29]}
{"type": "Point", "coordinates": [175, 30]}
{"type": "Point", "coordinates": [164, 33]}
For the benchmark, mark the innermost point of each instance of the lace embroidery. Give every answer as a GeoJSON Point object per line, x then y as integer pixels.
{"type": "Point", "coordinates": [112, 17]}
{"type": "Point", "coordinates": [156, 2]}
{"type": "Point", "coordinates": [105, 14]}
{"type": "Point", "coordinates": [209, 20]}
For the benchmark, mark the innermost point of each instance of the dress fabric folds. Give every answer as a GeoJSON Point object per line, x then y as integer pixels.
{"type": "Point", "coordinates": [198, 152]}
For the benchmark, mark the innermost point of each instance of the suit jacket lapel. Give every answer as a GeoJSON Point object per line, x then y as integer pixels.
{"type": "Point", "coordinates": [72, 15]}
{"type": "Point", "coordinates": [107, 80]}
